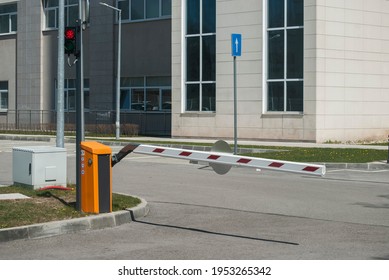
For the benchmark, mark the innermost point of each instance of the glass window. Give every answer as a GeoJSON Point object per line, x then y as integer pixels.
{"type": "Point", "coordinates": [193, 17]}
{"type": "Point", "coordinates": [137, 9]}
{"type": "Point", "coordinates": [70, 94]}
{"type": "Point", "coordinates": [8, 18]}
{"type": "Point", "coordinates": [166, 8]}
{"type": "Point", "coordinates": [209, 18]}
{"type": "Point", "coordinates": [276, 54]}
{"type": "Point", "coordinates": [152, 8]}
{"type": "Point", "coordinates": [285, 56]}
{"type": "Point", "coordinates": [124, 99]}
{"type": "Point", "coordinates": [145, 94]}
{"type": "Point", "coordinates": [51, 13]}
{"type": "Point", "coordinates": [14, 23]}
{"type": "Point", "coordinates": [209, 58]}
{"type": "Point", "coordinates": [193, 59]}
{"type": "Point", "coordinates": [276, 96]}
{"type": "Point", "coordinates": [153, 99]}
{"type": "Point", "coordinates": [201, 55]}
{"type": "Point", "coordinates": [124, 5]}
{"type": "Point", "coordinates": [295, 96]}
{"type": "Point", "coordinates": [276, 11]}
{"type": "Point", "coordinates": [208, 97]}
{"type": "Point", "coordinates": [192, 97]}
{"type": "Point", "coordinates": [295, 12]}
{"type": "Point", "coordinates": [137, 99]}
{"type": "Point", "coordinates": [3, 95]}
{"type": "Point", "coordinates": [166, 99]}
{"type": "Point", "coordinates": [295, 53]}
{"type": "Point", "coordinates": [4, 24]}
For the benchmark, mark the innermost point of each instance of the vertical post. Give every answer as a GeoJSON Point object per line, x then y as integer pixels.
{"type": "Point", "coordinates": [117, 124]}
{"type": "Point", "coordinates": [61, 76]}
{"type": "Point", "coordinates": [236, 50]}
{"type": "Point", "coordinates": [81, 63]}
{"type": "Point", "coordinates": [79, 110]}
{"type": "Point", "coordinates": [235, 112]}
{"type": "Point", "coordinates": [387, 161]}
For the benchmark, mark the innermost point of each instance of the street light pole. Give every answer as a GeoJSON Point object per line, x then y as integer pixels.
{"type": "Point", "coordinates": [117, 123]}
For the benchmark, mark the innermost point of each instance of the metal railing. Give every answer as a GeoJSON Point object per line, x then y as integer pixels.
{"type": "Point", "coordinates": [98, 122]}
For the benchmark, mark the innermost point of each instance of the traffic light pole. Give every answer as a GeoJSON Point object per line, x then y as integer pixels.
{"type": "Point", "coordinates": [79, 113]}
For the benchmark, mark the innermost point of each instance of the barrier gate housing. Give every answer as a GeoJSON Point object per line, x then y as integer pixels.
{"type": "Point", "coordinates": [96, 178]}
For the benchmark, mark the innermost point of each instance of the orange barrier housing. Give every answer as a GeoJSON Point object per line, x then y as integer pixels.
{"type": "Point", "coordinates": [96, 178]}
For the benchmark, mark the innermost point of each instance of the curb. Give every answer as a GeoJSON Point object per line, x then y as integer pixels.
{"type": "Point", "coordinates": [370, 166]}
{"type": "Point", "coordinates": [22, 137]}
{"type": "Point", "coordinates": [56, 228]}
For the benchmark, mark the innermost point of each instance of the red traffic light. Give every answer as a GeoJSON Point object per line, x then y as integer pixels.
{"type": "Point", "coordinates": [71, 41]}
{"type": "Point", "coordinates": [70, 33]}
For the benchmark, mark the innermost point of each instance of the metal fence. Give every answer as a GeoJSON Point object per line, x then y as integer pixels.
{"type": "Point", "coordinates": [100, 122]}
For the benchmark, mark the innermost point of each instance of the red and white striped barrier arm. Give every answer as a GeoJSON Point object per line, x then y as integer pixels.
{"type": "Point", "coordinates": [232, 160]}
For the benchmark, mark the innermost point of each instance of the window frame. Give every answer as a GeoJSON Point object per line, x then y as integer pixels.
{"type": "Point", "coordinates": [128, 18]}
{"type": "Point", "coordinates": [4, 91]}
{"type": "Point", "coordinates": [128, 90]}
{"type": "Point", "coordinates": [10, 15]}
{"type": "Point", "coordinates": [284, 80]}
{"type": "Point", "coordinates": [46, 10]}
{"type": "Point", "coordinates": [200, 82]}
{"type": "Point", "coordinates": [67, 90]}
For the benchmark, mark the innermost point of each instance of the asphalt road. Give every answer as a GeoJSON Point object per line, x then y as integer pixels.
{"type": "Point", "coordinates": [246, 214]}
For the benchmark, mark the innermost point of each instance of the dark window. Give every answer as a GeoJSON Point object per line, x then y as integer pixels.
{"type": "Point", "coordinates": [209, 19]}
{"type": "Point", "coordinates": [295, 55]}
{"type": "Point", "coordinates": [276, 13]}
{"type": "Point", "coordinates": [3, 95]}
{"type": "Point", "coordinates": [276, 54]}
{"type": "Point", "coordinates": [285, 55]}
{"type": "Point", "coordinates": [8, 18]}
{"type": "Point", "coordinates": [193, 59]}
{"type": "Point", "coordinates": [145, 94]}
{"type": "Point", "coordinates": [192, 97]}
{"type": "Point", "coordinates": [294, 96]}
{"type": "Point", "coordinates": [201, 55]}
{"type": "Point", "coordinates": [193, 17]}
{"type": "Point", "coordinates": [137, 9]}
{"type": "Point", "coordinates": [295, 12]}
{"type": "Point", "coordinates": [275, 96]}
{"type": "Point", "coordinates": [209, 63]}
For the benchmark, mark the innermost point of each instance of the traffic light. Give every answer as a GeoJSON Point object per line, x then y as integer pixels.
{"type": "Point", "coordinates": [71, 41]}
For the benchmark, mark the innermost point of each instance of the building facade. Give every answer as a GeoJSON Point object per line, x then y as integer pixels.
{"type": "Point", "coordinates": [310, 70]}
{"type": "Point", "coordinates": [29, 51]}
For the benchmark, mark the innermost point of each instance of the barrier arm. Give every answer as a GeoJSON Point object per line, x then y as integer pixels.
{"type": "Point", "coordinates": [220, 159]}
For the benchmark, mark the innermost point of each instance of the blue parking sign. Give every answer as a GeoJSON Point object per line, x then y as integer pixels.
{"type": "Point", "coordinates": [236, 44]}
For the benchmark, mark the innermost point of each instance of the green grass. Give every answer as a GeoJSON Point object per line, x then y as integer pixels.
{"type": "Point", "coordinates": [324, 154]}
{"type": "Point", "coordinates": [48, 205]}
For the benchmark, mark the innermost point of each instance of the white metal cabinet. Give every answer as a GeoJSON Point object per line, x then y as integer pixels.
{"type": "Point", "coordinates": [39, 166]}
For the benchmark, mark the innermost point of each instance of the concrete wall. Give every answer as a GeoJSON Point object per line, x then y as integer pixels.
{"type": "Point", "coordinates": [8, 68]}
{"type": "Point", "coordinates": [245, 17]}
{"type": "Point", "coordinates": [346, 74]}
{"type": "Point", "coordinates": [352, 70]}
{"type": "Point", "coordinates": [29, 47]}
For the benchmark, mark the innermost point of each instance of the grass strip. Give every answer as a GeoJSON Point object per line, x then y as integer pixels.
{"type": "Point", "coordinates": [48, 205]}
{"type": "Point", "coordinates": [328, 155]}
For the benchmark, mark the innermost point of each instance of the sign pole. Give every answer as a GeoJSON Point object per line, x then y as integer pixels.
{"type": "Point", "coordinates": [235, 112]}
{"type": "Point", "coordinates": [236, 50]}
